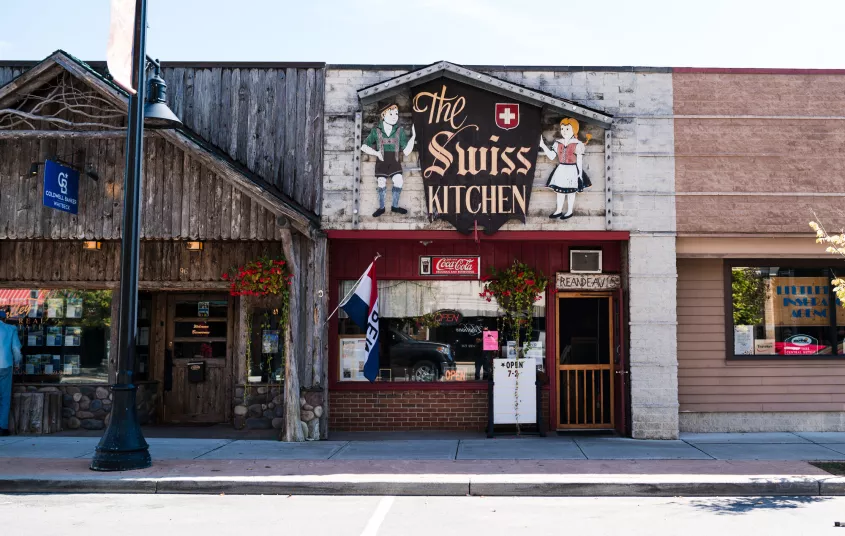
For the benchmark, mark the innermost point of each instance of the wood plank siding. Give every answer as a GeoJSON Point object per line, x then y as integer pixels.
{"type": "Point", "coordinates": [707, 382]}
{"type": "Point", "coordinates": [181, 198]}
{"type": "Point", "coordinates": [268, 118]}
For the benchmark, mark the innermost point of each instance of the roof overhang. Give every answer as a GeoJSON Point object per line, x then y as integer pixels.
{"type": "Point", "coordinates": [216, 159]}
{"type": "Point", "coordinates": [444, 69]}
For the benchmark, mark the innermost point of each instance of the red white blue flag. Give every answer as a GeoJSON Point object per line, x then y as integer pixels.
{"type": "Point", "coordinates": [362, 307]}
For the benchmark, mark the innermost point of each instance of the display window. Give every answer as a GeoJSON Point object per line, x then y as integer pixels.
{"type": "Point", "coordinates": [434, 331]}
{"type": "Point", "coordinates": [65, 333]}
{"type": "Point", "coordinates": [783, 310]}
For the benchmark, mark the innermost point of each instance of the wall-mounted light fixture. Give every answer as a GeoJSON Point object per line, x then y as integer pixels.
{"type": "Point", "coordinates": [92, 245]}
{"type": "Point", "coordinates": [425, 242]}
{"type": "Point", "coordinates": [89, 168]}
{"type": "Point", "coordinates": [194, 246]}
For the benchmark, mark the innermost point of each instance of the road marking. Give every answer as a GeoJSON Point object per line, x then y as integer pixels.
{"type": "Point", "coordinates": [378, 516]}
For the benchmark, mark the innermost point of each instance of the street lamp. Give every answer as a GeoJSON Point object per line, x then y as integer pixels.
{"type": "Point", "coordinates": [123, 446]}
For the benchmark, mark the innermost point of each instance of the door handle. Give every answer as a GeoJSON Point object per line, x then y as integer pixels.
{"type": "Point", "coordinates": [622, 372]}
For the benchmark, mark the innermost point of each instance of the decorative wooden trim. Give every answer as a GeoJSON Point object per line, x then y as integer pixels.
{"type": "Point", "coordinates": [486, 82]}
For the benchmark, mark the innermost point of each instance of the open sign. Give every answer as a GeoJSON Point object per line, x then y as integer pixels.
{"type": "Point", "coordinates": [448, 317]}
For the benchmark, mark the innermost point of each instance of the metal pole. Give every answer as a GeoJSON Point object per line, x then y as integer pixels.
{"type": "Point", "coordinates": [123, 446]}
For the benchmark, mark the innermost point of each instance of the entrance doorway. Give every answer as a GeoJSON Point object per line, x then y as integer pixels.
{"type": "Point", "coordinates": [199, 335]}
{"type": "Point", "coordinates": [587, 394]}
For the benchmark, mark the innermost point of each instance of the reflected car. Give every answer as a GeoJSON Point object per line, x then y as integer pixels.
{"type": "Point", "coordinates": [426, 360]}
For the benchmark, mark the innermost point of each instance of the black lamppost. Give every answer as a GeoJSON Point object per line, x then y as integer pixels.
{"type": "Point", "coordinates": [123, 446]}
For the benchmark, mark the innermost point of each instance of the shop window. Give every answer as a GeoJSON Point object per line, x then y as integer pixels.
{"type": "Point", "coordinates": [267, 346]}
{"type": "Point", "coordinates": [65, 333]}
{"type": "Point", "coordinates": [782, 311]}
{"type": "Point", "coordinates": [431, 331]}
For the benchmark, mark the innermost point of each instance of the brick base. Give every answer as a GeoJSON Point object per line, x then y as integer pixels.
{"type": "Point", "coordinates": [463, 410]}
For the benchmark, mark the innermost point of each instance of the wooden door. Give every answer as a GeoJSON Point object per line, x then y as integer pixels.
{"type": "Point", "coordinates": [585, 361]}
{"type": "Point", "coordinates": [199, 330]}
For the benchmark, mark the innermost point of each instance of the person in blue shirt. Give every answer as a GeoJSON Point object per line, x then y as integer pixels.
{"type": "Point", "coordinates": [10, 355]}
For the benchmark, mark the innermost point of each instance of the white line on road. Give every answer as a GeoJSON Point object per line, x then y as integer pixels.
{"type": "Point", "coordinates": [378, 516]}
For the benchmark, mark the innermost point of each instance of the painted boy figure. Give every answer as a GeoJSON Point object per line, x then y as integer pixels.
{"type": "Point", "coordinates": [384, 142]}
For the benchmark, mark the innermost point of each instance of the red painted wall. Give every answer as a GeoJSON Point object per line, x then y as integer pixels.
{"type": "Point", "coordinates": [359, 406]}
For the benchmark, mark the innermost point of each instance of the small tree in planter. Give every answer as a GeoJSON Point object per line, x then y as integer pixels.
{"type": "Point", "coordinates": [515, 290]}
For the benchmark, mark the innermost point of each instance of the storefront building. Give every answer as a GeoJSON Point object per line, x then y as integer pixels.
{"type": "Point", "coordinates": [760, 332]}
{"type": "Point", "coordinates": [686, 292]}
{"type": "Point", "coordinates": [440, 171]}
{"type": "Point", "coordinates": [223, 190]}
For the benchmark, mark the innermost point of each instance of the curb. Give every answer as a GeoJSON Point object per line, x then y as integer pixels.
{"type": "Point", "coordinates": [439, 485]}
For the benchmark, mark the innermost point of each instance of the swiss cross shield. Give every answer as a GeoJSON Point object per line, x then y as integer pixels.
{"type": "Point", "coordinates": [507, 115]}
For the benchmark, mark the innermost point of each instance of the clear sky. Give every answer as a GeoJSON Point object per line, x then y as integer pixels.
{"type": "Point", "coordinates": [678, 33]}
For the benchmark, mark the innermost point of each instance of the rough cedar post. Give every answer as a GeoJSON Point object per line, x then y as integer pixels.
{"type": "Point", "coordinates": [293, 430]}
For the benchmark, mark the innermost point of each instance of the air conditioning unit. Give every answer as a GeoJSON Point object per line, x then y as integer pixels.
{"type": "Point", "coordinates": [585, 261]}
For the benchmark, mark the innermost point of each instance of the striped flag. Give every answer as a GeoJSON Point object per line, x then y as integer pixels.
{"type": "Point", "coordinates": [362, 308]}
{"type": "Point", "coordinates": [121, 36]}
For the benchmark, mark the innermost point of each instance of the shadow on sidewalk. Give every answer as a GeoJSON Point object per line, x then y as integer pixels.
{"type": "Point", "coordinates": [747, 505]}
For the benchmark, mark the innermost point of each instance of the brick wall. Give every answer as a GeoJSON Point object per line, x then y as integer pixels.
{"type": "Point", "coordinates": [464, 410]}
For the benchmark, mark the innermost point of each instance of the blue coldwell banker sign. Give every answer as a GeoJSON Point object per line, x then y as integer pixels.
{"type": "Point", "coordinates": [61, 187]}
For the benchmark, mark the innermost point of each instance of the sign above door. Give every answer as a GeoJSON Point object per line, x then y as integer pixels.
{"type": "Point", "coordinates": [569, 281]}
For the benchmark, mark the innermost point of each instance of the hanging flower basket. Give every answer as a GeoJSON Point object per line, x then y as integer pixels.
{"type": "Point", "coordinates": [262, 277]}
{"type": "Point", "coordinates": [515, 290]}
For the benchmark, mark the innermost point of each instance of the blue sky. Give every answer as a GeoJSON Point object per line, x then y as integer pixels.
{"type": "Point", "coordinates": [695, 33]}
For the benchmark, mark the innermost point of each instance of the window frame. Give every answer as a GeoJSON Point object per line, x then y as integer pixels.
{"type": "Point", "coordinates": [727, 279]}
{"type": "Point", "coordinates": [38, 379]}
{"type": "Point", "coordinates": [338, 384]}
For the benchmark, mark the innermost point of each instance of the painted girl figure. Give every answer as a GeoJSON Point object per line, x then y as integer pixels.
{"type": "Point", "coordinates": [568, 177]}
{"type": "Point", "coordinates": [385, 142]}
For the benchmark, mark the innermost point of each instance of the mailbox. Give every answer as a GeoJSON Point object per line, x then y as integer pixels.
{"type": "Point", "coordinates": [196, 371]}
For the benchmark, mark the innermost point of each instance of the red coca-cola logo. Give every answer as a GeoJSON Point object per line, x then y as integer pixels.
{"type": "Point", "coordinates": [449, 265]}
{"type": "Point", "coordinates": [459, 265]}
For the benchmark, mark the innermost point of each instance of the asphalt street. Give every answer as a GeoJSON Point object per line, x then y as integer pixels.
{"type": "Point", "coordinates": [417, 516]}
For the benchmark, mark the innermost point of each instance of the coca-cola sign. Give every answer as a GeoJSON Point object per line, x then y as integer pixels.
{"type": "Point", "coordinates": [450, 265]}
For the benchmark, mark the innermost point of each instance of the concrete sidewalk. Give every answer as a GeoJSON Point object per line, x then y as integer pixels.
{"type": "Point", "coordinates": [698, 464]}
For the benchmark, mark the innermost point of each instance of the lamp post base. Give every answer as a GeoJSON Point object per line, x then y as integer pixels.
{"type": "Point", "coordinates": [122, 447]}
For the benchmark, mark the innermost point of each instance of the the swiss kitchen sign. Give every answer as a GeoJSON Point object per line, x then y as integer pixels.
{"type": "Point", "coordinates": [435, 265]}
{"type": "Point", "coordinates": [61, 187]}
{"type": "Point", "coordinates": [477, 151]}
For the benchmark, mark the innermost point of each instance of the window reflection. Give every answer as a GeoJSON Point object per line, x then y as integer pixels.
{"type": "Point", "coordinates": [431, 331]}
{"type": "Point", "coordinates": [785, 311]}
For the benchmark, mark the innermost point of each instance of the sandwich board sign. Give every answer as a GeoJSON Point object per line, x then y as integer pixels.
{"type": "Point", "coordinates": [514, 391]}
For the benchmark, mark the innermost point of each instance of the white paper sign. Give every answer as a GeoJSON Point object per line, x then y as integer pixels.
{"type": "Point", "coordinates": [743, 340]}
{"type": "Point", "coordinates": [514, 391]}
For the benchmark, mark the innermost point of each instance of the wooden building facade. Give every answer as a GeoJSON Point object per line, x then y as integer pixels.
{"type": "Point", "coordinates": [240, 179]}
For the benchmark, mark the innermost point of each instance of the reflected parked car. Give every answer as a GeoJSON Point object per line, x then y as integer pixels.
{"type": "Point", "coordinates": [427, 361]}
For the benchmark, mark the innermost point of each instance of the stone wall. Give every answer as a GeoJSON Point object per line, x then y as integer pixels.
{"type": "Point", "coordinates": [89, 406]}
{"type": "Point", "coordinates": [259, 407]}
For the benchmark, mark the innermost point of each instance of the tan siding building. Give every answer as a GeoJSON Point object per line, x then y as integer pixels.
{"type": "Point", "coordinates": [758, 155]}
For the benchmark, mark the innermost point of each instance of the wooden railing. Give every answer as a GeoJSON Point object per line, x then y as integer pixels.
{"type": "Point", "coordinates": [586, 395]}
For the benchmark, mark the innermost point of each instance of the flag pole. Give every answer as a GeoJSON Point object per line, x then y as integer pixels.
{"type": "Point", "coordinates": [377, 257]}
